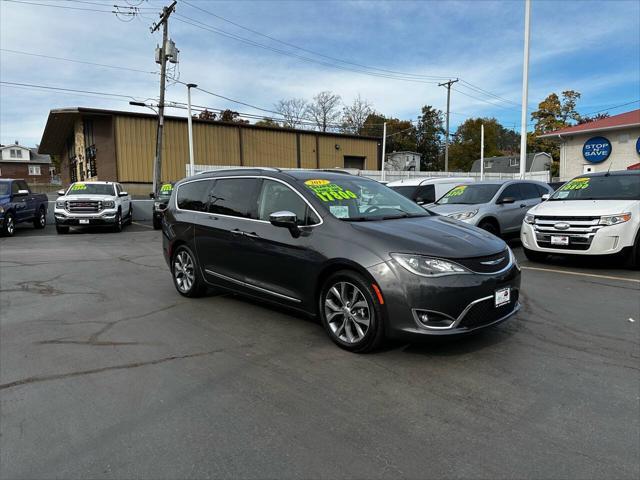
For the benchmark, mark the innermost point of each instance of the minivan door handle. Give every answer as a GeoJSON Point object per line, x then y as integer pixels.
{"type": "Point", "coordinates": [522, 205]}
{"type": "Point", "coordinates": [237, 232]}
{"type": "Point", "coordinates": [251, 234]}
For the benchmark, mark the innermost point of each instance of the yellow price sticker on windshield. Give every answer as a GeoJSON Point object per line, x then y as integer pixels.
{"type": "Point", "coordinates": [167, 187]}
{"type": "Point", "coordinates": [329, 192]}
{"type": "Point", "coordinates": [316, 183]}
{"type": "Point", "coordinates": [78, 186]}
{"type": "Point", "coordinates": [457, 191]}
{"type": "Point", "coordinates": [576, 184]}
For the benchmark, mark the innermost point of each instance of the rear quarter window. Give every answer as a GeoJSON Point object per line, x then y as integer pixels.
{"type": "Point", "coordinates": [194, 196]}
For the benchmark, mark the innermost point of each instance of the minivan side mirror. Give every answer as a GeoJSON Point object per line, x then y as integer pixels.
{"type": "Point", "coordinates": [285, 219]}
{"type": "Point", "coordinates": [506, 200]}
{"type": "Point", "coordinates": [420, 201]}
{"type": "Point", "coordinates": [546, 197]}
{"type": "Point", "coordinates": [60, 193]}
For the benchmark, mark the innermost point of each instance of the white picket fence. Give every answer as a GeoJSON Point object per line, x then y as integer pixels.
{"type": "Point", "coordinates": [391, 176]}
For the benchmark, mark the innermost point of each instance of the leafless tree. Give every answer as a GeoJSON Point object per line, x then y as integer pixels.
{"type": "Point", "coordinates": [293, 111]}
{"type": "Point", "coordinates": [354, 115]}
{"type": "Point", "coordinates": [325, 110]}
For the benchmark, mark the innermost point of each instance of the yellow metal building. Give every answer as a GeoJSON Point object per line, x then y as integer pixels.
{"type": "Point", "coordinates": [98, 144]}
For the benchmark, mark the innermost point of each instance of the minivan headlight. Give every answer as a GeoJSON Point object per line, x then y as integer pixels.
{"type": "Point", "coordinates": [615, 219]}
{"type": "Point", "coordinates": [427, 266]}
{"type": "Point", "coordinates": [529, 218]}
{"type": "Point", "coordinates": [463, 215]}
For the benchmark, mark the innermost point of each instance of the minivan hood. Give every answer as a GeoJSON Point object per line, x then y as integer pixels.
{"type": "Point", "coordinates": [587, 208]}
{"type": "Point", "coordinates": [434, 236]}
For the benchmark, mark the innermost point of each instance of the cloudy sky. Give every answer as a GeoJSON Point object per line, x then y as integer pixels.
{"type": "Point", "coordinates": [348, 47]}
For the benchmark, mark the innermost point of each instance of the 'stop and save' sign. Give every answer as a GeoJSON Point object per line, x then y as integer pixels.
{"type": "Point", "coordinates": [596, 149]}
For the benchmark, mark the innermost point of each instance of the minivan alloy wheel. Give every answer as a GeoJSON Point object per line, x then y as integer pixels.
{"type": "Point", "coordinates": [184, 271]}
{"type": "Point", "coordinates": [347, 312]}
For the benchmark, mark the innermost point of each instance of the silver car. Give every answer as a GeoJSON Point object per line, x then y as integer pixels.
{"type": "Point", "coordinates": [496, 206]}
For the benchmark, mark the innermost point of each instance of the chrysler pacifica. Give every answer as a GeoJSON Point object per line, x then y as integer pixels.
{"type": "Point", "coordinates": [367, 261]}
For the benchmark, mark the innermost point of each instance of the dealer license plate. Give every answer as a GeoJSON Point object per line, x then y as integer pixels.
{"type": "Point", "coordinates": [84, 221]}
{"type": "Point", "coordinates": [502, 296]}
{"type": "Point", "coordinates": [559, 240]}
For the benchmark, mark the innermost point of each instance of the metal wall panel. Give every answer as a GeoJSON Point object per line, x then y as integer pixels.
{"type": "Point", "coordinates": [269, 148]}
{"type": "Point", "coordinates": [221, 144]}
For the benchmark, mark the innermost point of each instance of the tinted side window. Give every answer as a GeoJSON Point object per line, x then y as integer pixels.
{"type": "Point", "coordinates": [542, 190]}
{"type": "Point", "coordinates": [22, 185]}
{"type": "Point", "coordinates": [234, 197]}
{"type": "Point", "coordinates": [512, 191]}
{"type": "Point", "coordinates": [277, 197]}
{"type": "Point", "coordinates": [426, 193]}
{"type": "Point", "coordinates": [14, 187]}
{"type": "Point", "coordinates": [194, 195]}
{"type": "Point", "coordinates": [529, 191]}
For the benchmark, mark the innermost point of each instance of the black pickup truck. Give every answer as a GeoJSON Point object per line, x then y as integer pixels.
{"type": "Point", "coordinates": [19, 204]}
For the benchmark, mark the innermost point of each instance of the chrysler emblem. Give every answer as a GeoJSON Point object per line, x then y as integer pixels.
{"type": "Point", "coordinates": [561, 226]}
{"type": "Point", "coordinates": [493, 262]}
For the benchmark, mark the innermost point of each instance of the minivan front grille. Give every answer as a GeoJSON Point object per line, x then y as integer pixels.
{"type": "Point", "coordinates": [486, 264]}
{"type": "Point", "coordinates": [485, 312]}
{"type": "Point", "coordinates": [84, 206]}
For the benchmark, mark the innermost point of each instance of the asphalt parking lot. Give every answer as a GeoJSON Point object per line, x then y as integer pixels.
{"type": "Point", "coordinates": [106, 372]}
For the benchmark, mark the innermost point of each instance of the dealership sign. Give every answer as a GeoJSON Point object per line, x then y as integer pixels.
{"type": "Point", "coordinates": [596, 149]}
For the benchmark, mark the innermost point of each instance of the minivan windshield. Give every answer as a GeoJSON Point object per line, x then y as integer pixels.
{"type": "Point", "coordinates": [469, 194]}
{"type": "Point", "coordinates": [606, 187]}
{"type": "Point", "coordinates": [91, 189]}
{"type": "Point", "coordinates": [359, 199]}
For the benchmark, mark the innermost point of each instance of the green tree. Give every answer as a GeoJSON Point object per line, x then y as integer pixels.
{"type": "Point", "coordinates": [401, 134]}
{"type": "Point", "coordinates": [465, 148]}
{"type": "Point", "coordinates": [231, 117]}
{"type": "Point", "coordinates": [429, 138]}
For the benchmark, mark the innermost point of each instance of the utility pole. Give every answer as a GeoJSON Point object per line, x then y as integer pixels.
{"type": "Point", "coordinates": [446, 142]}
{"type": "Point", "coordinates": [482, 151]}
{"type": "Point", "coordinates": [164, 22]}
{"type": "Point", "coordinates": [384, 145]}
{"type": "Point", "coordinates": [525, 91]}
{"type": "Point", "coordinates": [190, 127]}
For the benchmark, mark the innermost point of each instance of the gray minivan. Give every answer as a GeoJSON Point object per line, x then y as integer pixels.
{"type": "Point", "coordinates": [497, 206]}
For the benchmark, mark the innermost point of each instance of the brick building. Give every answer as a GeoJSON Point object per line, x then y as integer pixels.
{"type": "Point", "coordinates": [17, 161]}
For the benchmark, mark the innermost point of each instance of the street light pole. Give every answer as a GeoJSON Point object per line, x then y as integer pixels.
{"type": "Point", "coordinates": [525, 90]}
{"type": "Point", "coordinates": [384, 145]}
{"type": "Point", "coordinates": [190, 127]}
{"type": "Point", "coordinates": [482, 151]}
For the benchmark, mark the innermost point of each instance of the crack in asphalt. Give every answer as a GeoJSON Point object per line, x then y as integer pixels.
{"type": "Point", "coordinates": [94, 339]}
{"type": "Point", "coordinates": [59, 376]}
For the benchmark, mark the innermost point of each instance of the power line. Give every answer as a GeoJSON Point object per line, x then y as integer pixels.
{"type": "Point", "coordinates": [614, 107]}
{"type": "Point", "coordinates": [57, 6]}
{"type": "Point", "coordinates": [19, 52]}
{"type": "Point", "coordinates": [46, 87]}
{"type": "Point", "coordinates": [433, 77]}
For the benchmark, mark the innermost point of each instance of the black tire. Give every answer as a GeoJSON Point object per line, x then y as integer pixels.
{"type": "Point", "coordinates": [157, 223]}
{"type": "Point", "coordinates": [632, 259]}
{"type": "Point", "coordinates": [62, 230]}
{"type": "Point", "coordinates": [534, 256]}
{"type": "Point", "coordinates": [130, 216]}
{"type": "Point", "coordinates": [40, 220]}
{"type": "Point", "coordinates": [117, 226]}
{"type": "Point", "coordinates": [9, 225]}
{"type": "Point", "coordinates": [345, 327]}
{"type": "Point", "coordinates": [180, 268]}
{"type": "Point", "coordinates": [490, 227]}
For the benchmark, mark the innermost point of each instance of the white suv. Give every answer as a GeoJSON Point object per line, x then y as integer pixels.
{"type": "Point", "coordinates": [86, 204]}
{"type": "Point", "coordinates": [594, 214]}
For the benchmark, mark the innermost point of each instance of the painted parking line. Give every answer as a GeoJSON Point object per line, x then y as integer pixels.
{"type": "Point", "coordinates": [568, 272]}
{"type": "Point", "coordinates": [142, 225]}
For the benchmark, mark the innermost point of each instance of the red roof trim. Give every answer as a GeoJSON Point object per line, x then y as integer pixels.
{"type": "Point", "coordinates": [628, 119]}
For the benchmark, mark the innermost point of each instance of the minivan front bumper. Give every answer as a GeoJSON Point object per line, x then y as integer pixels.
{"type": "Point", "coordinates": [453, 304]}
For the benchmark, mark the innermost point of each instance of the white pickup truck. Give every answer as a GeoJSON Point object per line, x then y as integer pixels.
{"type": "Point", "coordinates": [593, 214]}
{"type": "Point", "coordinates": [86, 204]}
